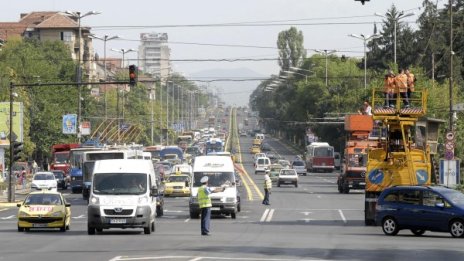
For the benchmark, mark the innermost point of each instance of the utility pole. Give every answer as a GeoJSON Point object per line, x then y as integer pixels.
{"type": "Point", "coordinates": [451, 127]}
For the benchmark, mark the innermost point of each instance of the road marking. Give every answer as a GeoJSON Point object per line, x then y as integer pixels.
{"type": "Point", "coordinates": [263, 217]}
{"type": "Point", "coordinates": [341, 215]}
{"type": "Point", "coordinates": [187, 220]}
{"type": "Point", "coordinates": [122, 258]}
{"type": "Point", "coordinates": [79, 217]}
{"type": "Point", "coordinates": [9, 217]}
{"type": "Point", "coordinates": [306, 220]}
{"type": "Point", "coordinates": [269, 217]}
{"type": "Point", "coordinates": [306, 213]}
{"type": "Point", "coordinates": [196, 259]}
{"type": "Point", "coordinates": [173, 211]}
{"type": "Point", "coordinates": [3, 209]}
{"type": "Point", "coordinates": [319, 196]}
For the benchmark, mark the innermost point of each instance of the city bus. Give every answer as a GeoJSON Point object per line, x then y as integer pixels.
{"type": "Point", "coordinates": [319, 157]}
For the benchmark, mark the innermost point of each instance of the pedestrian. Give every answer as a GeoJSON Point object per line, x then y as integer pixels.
{"type": "Point", "coordinates": [401, 82]}
{"type": "Point", "coordinates": [389, 89]}
{"type": "Point", "coordinates": [267, 188]}
{"type": "Point", "coordinates": [411, 80]}
{"type": "Point", "coordinates": [204, 202]}
{"type": "Point", "coordinates": [367, 108]}
{"type": "Point", "coordinates": [23, 178]}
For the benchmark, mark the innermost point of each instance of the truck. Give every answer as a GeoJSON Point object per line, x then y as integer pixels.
{"type": "Point", "coordinates": [398, 160]}
{"type": "Point", "coordinates": [359, 140]}
{"type": "Point", "coordinates": [60, 157]}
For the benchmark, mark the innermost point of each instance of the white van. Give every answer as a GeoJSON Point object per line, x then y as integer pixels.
{"type": "Point", "coordinates": [123, 195]}
{"type": "Point", "coordinates": [261, 164]}
{"type": "Point", "coordinates": [220, 171]}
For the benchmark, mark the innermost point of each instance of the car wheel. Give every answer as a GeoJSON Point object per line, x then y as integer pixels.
{"type": "Point", "coordinates": [389, 226]}
{"type": "Point", "coordinates": [233, 215]}
{"type": "Point", "coordinates": [153, 227]}
{"type": "Point", "coordinates": [99, 230]}
{"type": "Point", "coordinates": [305, 174]}
{"type": "Point", "coordinates": [296, 184]}
{"type": "Point", "coordinates": [457, 228]}
{"type": "Point", "coordinates": [27, 229]}
{"type": "Point", "coordinates": [91, 230]}
{"type": "Point", "coordinates": [238, 207]}
{"type": "Point", "coordinates": [418, 232]}
{"type": "Point", "coordinates": [63, 228]}
{"type": "Point", "coordinates": [20, 229]}
{"type": "Point", "coordinates": [147, 230]}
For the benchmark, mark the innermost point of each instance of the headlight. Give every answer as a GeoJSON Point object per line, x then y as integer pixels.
{"type": "Point", "coordinates": [94, 200]}
{"type": "Point", "coordinates": [230, 200]}
{"type": "Point", "coordinates": [22, 214]}
{"type": "Point", "coordinates": [143, 200]}
{"type": "Point", "coordinates": [57, 214]}
{"type": "Point", "coordinates": [73, 178]}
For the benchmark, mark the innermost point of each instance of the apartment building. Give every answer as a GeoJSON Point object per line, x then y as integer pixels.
{"type": "Point", "coordinates": [154, 55]}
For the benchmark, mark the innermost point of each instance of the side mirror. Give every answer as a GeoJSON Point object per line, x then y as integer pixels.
{"type": "Point", "coordinates": [440, 205]}
{"type": "Point", "coordinates": [154, 192]}
{"type": "Point", "coordinates": [18, 205]}
{"type": "Point", "coordinates": [67, 204]}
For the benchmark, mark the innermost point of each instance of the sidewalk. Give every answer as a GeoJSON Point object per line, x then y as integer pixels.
{"type": "Point", "coordinates": [20, 194]}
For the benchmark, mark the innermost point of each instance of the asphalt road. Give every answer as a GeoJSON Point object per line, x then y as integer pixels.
{"type": "Point", "coordinates": [311, 222]}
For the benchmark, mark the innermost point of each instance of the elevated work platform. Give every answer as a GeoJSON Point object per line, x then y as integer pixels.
{"type": "Point", "coordinates": [381, 107]}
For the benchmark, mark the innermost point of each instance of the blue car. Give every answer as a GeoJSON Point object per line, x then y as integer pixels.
{"type": "Point", "coordinates": [417, 208]}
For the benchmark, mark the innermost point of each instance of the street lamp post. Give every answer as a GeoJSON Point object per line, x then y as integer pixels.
{"type": "Point", "coordinates": [326, 53]}
{"type": "Point", "coordinates": [78, 16]}
{"type": "Point", "coordinates": [366, 39]}
{"type": "Point", "coordinates": [105, 39]}
{"type": "Point", "coordinates": [123, 51]}
{"type": "Point", "coordinates": [396, 20]}
{"type": "Point", "coordinates": [292, 72]}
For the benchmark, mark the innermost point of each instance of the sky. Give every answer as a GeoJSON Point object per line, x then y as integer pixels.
{"type": "Point", "coordinates": [312, 17]}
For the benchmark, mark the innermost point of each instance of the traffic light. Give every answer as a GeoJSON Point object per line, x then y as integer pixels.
{"type": "Point", "coordinates": [17, 149]}
{"type": "Point", "coordinates": [132, 75]}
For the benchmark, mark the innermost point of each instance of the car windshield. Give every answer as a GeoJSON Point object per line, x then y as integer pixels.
{"type": "Point", "coordinates": [120, 183]}
{"type": "Point", "coordinates": [287, 172]}
{"type": "Point", "coordinates": [177, 178]}
{"type": "Point", "coordinates": [58, 175]}
{"type": "Point", "coordinates": [298, 163]}
{"type": "Point", "coordinates": [61, 158]}
{"type": "Point", "coordinates": [43, 199]}
{"type": "Point", "coordinates": [215, 179]}
{"type": "Point", "coordinates": [456, 197]}
{"type": "Point", "coordinates": [357, 160]}
{"type": "Point", "coordinates": [44, 177]}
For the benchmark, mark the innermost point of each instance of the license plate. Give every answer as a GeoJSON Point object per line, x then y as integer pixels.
{"type": "Point", "coordinates": [40, 225]}
{"type": "Point", "coordinates": [117, 221]}
{"type": "Point", "coordinates": [215, 209]}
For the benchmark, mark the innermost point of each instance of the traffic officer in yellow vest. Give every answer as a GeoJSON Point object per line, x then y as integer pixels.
{"type": "Point", "coordinates": [204, 202]}
{"type": "Point", "coordinates": [267, 188]}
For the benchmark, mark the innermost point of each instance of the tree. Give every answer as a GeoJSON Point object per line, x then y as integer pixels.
{"type": "Point", "coordinates": [291, 48]}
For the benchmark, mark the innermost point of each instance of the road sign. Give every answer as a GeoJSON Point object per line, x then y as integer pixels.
{"type": "Point", "coordinates": [450, 136]}
{"type": "Point", "coordinates": [449, 146]}
{"type": "Point", "coordinates": [449, 172]}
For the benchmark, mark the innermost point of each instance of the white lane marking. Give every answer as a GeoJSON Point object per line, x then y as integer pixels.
{"type": "Point", "coordinates": [263, 217]}
{"type": "Point", "coordinates": [65, 194]}
{"type": "Point", "coordinates": [269, 217]}
{"type": "Point", "coordinates": [306, 213]}
{"type": "Point", "coordinates": [319, 196]}
{"type": "Point", "coordinates": [9, 217]}
{"type": "Point", "coordinates": [173, 211]}
{"type": "Point", "coordinates": [196, 258]}
{"type": "Point", "coordinates": [307, 220]}
{"type": "Point", "coordinates": [187, 220]}
{"type": "Point", "coordinates": [79, 217]}
{"type": "Point", "coordinates": [3, 209]}
{"type": "Point", "coordinates": [342, 216]}
{"type": "Point", "coordinates": [122, 258]}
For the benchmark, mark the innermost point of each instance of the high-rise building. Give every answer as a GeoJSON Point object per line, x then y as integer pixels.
{"type": "Point", "coordinates": [154, 54]}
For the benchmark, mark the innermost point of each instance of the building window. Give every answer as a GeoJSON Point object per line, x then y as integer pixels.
{"type": "Point", "coordinates": [66, 36]}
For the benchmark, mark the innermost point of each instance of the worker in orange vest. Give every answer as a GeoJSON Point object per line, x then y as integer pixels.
{"type": "Point", "coordinates": [389, 89]}
{"type": "Point", "coordinates": [411, 82]}
{"type": "Point", "coordinates": [401, 82]}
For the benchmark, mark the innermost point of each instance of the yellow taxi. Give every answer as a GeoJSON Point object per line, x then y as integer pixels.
{"type": "Point", "coordinates": [177, 185]}
{"type": "Point", "coordinates": [44, 209]}
{"type": "Point", "coordinates": [255, 149]}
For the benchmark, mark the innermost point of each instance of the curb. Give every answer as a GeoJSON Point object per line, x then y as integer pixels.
{"type": "Point", "coordinates": [9, 204]}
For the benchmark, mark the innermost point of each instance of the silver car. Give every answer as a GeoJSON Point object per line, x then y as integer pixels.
{"type": "Point", "coordinates": [299, 166]}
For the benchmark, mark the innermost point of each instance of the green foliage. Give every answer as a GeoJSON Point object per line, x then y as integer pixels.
{"type": "Point", "coordinates": [291, 48]}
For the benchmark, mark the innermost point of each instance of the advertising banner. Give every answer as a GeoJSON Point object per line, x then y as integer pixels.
{"type": "Point", "coordinates": [70, 124]}
{"type": "Point", "coordinates": [5, 122]}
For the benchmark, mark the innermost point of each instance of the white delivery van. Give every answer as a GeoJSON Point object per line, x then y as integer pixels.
{"type": "Point", "coordinates": [123, 195]}
{"type": "Point", "coordinates": [220, 171]}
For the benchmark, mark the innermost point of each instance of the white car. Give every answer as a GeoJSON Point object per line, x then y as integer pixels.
{"type": "Point", "coordinates": [287, 176]}
{"type": "Point", "coordinates": [44, 180]}
{"type": "Point", "coordinates": [259, 155]}
{"type": "Point", "coordinates": [299, 166]}
{"type": "Point", "coordinates": [262, 164]}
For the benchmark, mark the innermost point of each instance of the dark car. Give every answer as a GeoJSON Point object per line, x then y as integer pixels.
{"type": "Point", "coordinates": [419, 209]}
{"type": "Point", "coordinates": [60, 178]}
{"type": "Point", "coordinates": [265, 147]}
